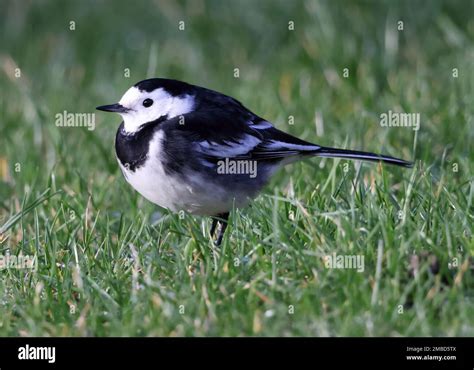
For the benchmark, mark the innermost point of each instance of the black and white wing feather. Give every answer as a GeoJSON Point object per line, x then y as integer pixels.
{"type": "Point", "coordinates": [218, 134]}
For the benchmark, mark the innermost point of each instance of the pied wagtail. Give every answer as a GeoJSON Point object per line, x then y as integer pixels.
{"type": "Point", "coordinates": [185, 147]}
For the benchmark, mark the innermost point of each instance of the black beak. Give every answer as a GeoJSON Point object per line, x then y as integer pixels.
{"type": "Point", "coordinates": [117, 108]}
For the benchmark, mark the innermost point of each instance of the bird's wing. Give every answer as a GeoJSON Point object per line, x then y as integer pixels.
{"type": "Point", "coordinates": [219, 133]}
{"type": "Point", "coordinates": [277, 144]}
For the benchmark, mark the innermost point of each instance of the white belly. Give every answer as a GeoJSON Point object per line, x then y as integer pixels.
{"type": "Point", "coordinates": [192, 196]}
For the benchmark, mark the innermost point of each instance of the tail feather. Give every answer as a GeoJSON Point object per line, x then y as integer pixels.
{"type": "Point", "coordinates": [365, 156]}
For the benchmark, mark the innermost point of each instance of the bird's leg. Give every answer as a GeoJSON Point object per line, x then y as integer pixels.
{"type": "Point", "coordinates": [213, 226]}
{"type": "Point", "coordinates": [223, 217]}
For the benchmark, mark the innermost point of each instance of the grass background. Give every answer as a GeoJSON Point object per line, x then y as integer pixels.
{"type": "Point", "coordinates": [110, 263]}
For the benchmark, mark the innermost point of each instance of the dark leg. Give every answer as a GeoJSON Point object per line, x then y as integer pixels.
{"type": "Point", "coordinates": [223, 221]}
{"type": "Point", "coordinates": [213, 227]}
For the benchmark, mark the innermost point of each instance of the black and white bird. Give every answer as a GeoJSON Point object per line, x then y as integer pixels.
{"type": "Point", "coordinates": [185, 147]}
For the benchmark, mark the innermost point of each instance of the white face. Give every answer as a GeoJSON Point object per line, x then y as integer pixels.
{"type": "Point", "coordinates": [164, 104]}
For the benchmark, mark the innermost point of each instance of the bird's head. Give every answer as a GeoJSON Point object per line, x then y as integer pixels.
{"type": "Point", "coordinates": [151, 100]}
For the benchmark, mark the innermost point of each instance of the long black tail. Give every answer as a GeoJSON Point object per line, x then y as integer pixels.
{"type": "Point", "coordinates": [365, 156]}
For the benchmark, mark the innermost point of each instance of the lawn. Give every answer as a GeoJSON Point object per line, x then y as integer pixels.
{"type": "Point", "coordinates": [109, 263]}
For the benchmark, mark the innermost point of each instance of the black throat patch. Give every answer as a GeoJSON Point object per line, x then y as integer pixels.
{"type": "Point", "coordinates": [132, 149]}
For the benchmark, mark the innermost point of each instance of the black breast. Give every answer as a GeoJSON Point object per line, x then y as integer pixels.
{"type": "Point", "coordinates": [132, 150]}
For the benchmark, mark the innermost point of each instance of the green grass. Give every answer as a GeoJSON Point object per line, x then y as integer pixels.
{"type": "Point", "coordinates": [111, 263]}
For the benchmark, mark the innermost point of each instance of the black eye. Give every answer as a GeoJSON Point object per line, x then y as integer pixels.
{"type": "Point", "coordinates": [147, 103]}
